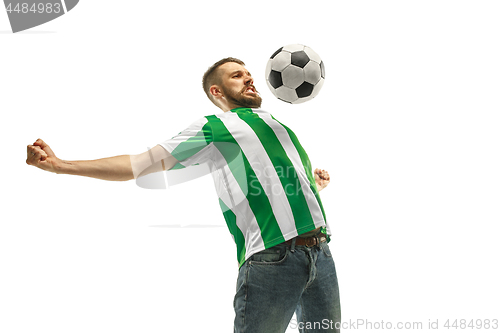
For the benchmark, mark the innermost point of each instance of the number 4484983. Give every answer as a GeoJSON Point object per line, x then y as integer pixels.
{"type": "Point", "coordinates": [471, 324]}
{"type": "Point", "coordinates": [35, 8]}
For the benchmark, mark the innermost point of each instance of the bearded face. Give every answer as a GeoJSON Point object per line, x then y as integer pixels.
{"type": "Point", "coordinates": [248, 97]}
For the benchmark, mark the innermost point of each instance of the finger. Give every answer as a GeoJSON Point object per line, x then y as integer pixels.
{"type": "Point", "coordinates": [29, 154]}
{"type": "Point", "coordinates": [40, 143]}
{"type": "Point", "coordinates": [31, 150]}
{"type": "Point", "coordinates": [43, 155]}
{"type": "Point", "coordinates": [35, 157]}
{"type": "Point", "coordinates": [35, 154]}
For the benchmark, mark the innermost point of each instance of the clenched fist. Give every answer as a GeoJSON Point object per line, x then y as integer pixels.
{"type": "Point", "coordinates": [322, 178]}
{"type": "Point", "coordinates": [41, 156]}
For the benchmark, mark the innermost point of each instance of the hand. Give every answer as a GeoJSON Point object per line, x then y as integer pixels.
{"type": "Point", "coordinates": [322, 179]}
{"type": "Point", "coordinates": [41, 156]}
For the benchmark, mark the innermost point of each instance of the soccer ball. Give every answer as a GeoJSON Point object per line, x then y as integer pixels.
{"type": "Point", "coordinates": [295, 73]}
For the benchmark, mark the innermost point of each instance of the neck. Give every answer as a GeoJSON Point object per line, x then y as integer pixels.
{"type": "Point", "coordinates": [227, 108]}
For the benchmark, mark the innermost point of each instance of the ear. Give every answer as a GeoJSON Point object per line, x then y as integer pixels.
{"type": "Point", "coordinates": [216, 92]}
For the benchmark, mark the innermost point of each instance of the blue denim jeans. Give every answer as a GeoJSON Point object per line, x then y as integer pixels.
{"type": "Point", "coordinates": [275, 283]}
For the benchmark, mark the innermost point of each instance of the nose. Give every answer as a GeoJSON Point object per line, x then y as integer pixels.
{"type": "Point", "coordinates": [248, 79]}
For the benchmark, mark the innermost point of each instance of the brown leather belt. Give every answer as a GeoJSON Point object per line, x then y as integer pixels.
{"type": "Point", "coordinates": [309, 241]}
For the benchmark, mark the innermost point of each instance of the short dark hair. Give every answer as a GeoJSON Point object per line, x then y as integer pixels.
{"type": "Point", "coordinates": [213, 76]}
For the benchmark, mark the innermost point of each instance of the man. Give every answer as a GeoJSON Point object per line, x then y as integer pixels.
{"type": "Point", "coordinates": [269, 198]}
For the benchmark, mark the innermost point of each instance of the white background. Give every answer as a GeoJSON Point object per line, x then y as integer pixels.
{"type": "Point", "coordinates": [407, 124]}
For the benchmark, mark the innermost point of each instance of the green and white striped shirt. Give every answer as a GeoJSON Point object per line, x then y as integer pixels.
{"type": "Point", "coordinates": [263, 176]}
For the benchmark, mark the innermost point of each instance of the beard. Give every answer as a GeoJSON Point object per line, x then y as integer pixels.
{"type": "Point", "coordinates": [242, 100]}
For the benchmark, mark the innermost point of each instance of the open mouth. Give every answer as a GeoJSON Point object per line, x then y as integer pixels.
{"type": "Point", "coordinates": [250, 90]}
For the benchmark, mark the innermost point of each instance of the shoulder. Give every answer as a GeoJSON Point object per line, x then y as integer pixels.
{"type": "Point", "coordinates": [263, 113]}
{"type": "Point", "coordinates": [199, 123]}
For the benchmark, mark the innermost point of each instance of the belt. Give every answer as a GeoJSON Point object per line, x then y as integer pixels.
{"type": "Point", "coordinates": [309, 241]}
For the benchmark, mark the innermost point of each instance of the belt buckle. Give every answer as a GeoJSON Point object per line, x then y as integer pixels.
{"type": "Point", "coordinates": [314, 243]}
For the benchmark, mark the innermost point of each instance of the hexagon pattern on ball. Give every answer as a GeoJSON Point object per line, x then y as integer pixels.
{"type": "Point", "coordinates": [295, 73]}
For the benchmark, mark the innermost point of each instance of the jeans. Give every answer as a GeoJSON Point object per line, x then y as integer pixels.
{"type": "Point", "coordinates": [276, 282]}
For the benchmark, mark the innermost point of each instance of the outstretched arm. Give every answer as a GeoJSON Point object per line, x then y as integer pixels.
{"type": "Point", "coordinates": [117, 168]}
{"type": "Point", "coordinates": [322, 178]}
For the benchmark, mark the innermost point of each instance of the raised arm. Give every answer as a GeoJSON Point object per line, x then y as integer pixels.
{"type": "Point", "coordinates": [117, 168]}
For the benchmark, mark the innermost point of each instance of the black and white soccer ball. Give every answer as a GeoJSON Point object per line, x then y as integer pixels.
{"type": "Point", "coordinates": [295, 73]}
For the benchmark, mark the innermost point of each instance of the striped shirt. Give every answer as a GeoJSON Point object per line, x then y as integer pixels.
{"type": "Point", "coordinates": [262, 175]}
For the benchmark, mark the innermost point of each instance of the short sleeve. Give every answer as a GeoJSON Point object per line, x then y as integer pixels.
{"type": "Point", "coordinates": [192, 145]}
